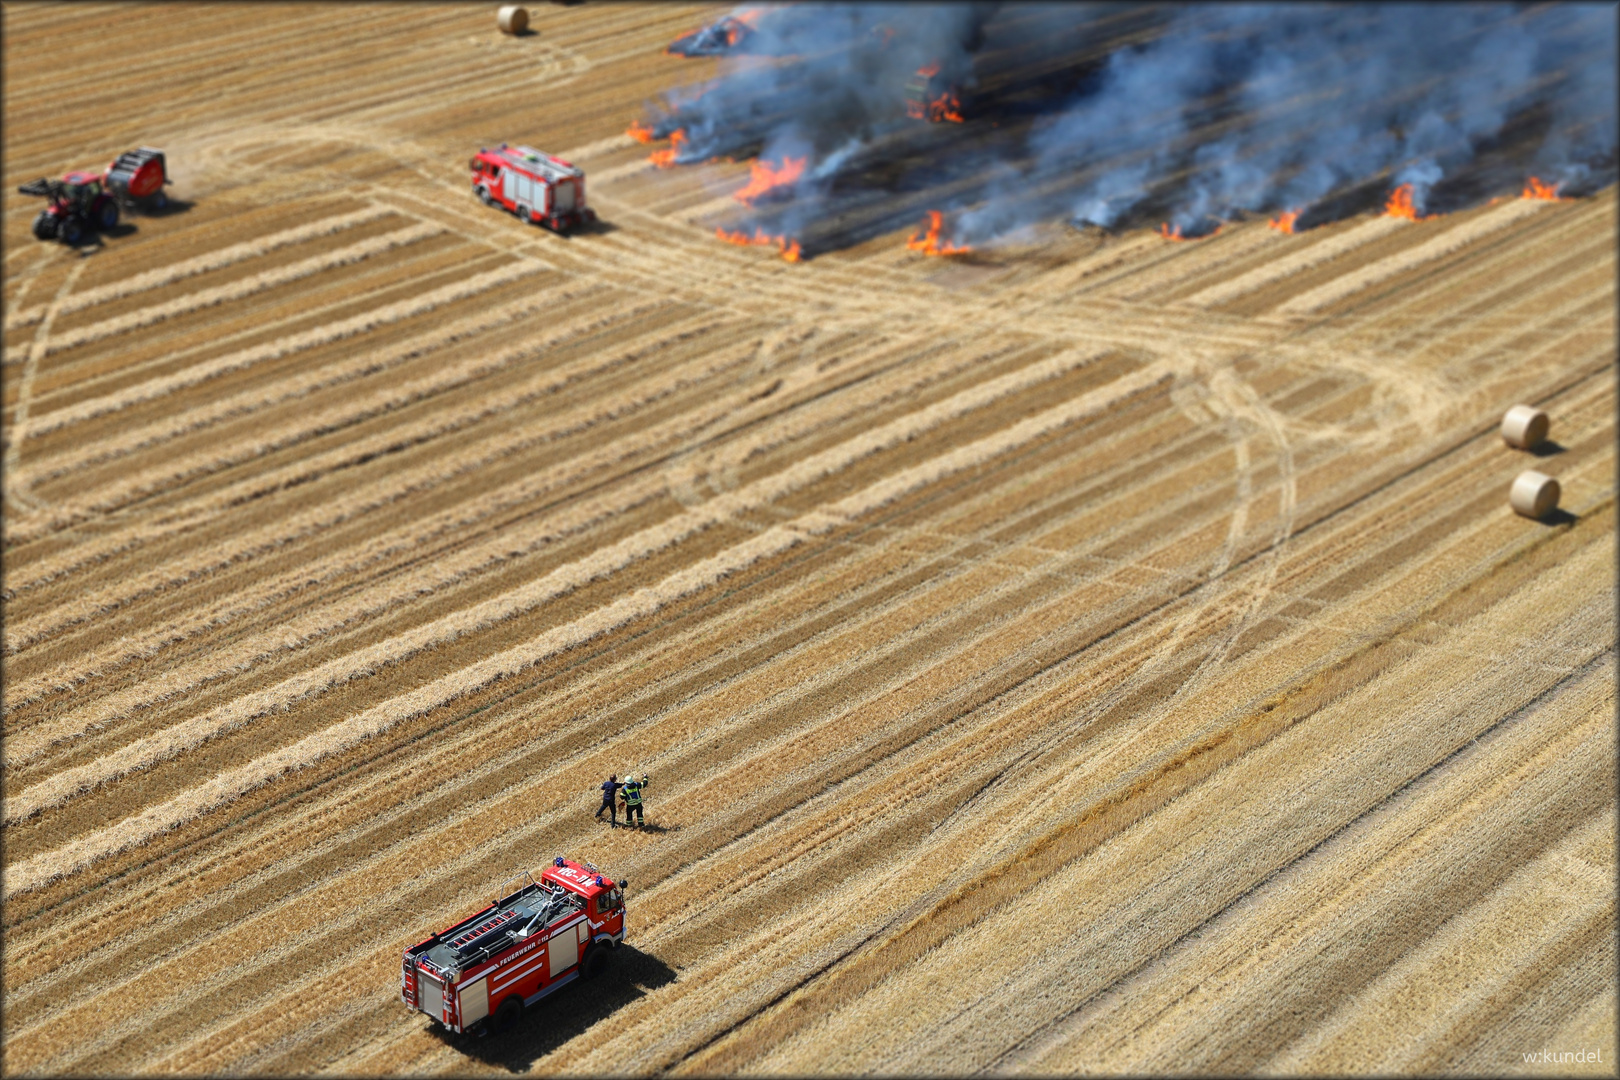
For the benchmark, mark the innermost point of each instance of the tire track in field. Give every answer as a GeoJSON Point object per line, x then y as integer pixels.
{"type": "Point", "coordinates": [17, 486]}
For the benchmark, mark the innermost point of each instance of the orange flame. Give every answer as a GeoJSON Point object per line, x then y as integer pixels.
{"type": "Point", "coordinates": [929, 244]}
{"type": "Point", "coordinates": [945, 107]}
{"type": "Point", "coordinates": [1284, 222]}
{"type": "Point", "coordinates": [1173, 232]}
{"type": "Point", "coordinates": [787, 246]}
{"type": "Point", "coordinates": [1535, 189]}
{"type": "Point", "coordinates": [764, 179]}
{"type": "Point", "coordinates": [1400, 205]}
{"type": "Point", "coordinates": [640, 132]}
{"type": "Point", "coordinates": [928, 71]}
{"type": "Point", "coordinates": [665, 159]}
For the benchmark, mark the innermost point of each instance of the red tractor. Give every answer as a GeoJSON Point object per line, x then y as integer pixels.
{"type": "Point", "coordinates": [82, 200]}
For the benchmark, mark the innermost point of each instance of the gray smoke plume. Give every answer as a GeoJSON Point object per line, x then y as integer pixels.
{"type": "Point", "coordinates": [1094, 112]}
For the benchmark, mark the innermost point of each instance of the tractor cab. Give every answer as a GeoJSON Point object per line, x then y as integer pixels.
{"type": "Point", "coordinates": [81, 189]}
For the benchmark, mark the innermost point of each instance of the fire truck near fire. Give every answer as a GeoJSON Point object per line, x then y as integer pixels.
{"type": "Point", "coordinates": [537, 187]}
{"type": "Point", "coordinates": [536, 937]}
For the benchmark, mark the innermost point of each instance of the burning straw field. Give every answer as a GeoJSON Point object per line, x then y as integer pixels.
{"type": "Point", "coordinates": [1085, 652]}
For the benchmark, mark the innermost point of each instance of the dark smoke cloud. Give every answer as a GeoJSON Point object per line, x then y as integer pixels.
{"type": "Point", "coordinates": [1216, 111]}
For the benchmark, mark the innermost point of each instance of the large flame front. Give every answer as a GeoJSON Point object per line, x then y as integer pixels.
{"type": "Point", "coordinates": [665, 159]}
{"type": "Point", "coordinates": [1284, 222]}
{"type": "Point", "coordinates": [764, 178]}
{"type": "Point", "coordinates": [788, 246]}
{"type": "Point", "coordinates": [929, 244]}
{"type": "Point", "coordinates": [640, 132]}
{"type": "Point", "coordinates": [1535, 189]}
{"type": "Point", "coordinates": [1401, 204]}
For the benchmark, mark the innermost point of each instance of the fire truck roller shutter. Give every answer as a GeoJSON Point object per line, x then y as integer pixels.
{"type": "Point", "coordinates": [430, 994]}
{"type": "Point", "coordinates": [474, 1003]}
{"type": "Point", "coordinates": [564, 949]}
{"type": "Point", "coordinates": [518, 187]}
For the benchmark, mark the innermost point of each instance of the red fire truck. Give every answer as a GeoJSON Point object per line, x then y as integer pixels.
{"type": "Point", "coordinates": [536, 187]}
{"type": "Point", "coordinates": [535, 937]}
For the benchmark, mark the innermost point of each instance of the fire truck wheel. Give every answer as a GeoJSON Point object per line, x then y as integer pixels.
{"type": "Point", "coordinates": [595, 957]}
{"type": "Point", "coordinates": [70, 231]}
{"type": "Point", "coordinates": [485, 196]}
{"type": "Point", "coordinates": [108, 217]}
{"type": "Point", "coordinates": [524, 215]}
{"type": "Point", "coordinates": [45, 226]}
{"type": "Point", "coordinates": [510, 1012]}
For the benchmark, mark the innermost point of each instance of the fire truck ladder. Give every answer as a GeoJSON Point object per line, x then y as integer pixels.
{"type": "Point", "coordinates": [463, 942]}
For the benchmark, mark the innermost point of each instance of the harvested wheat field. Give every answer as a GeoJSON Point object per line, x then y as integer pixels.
{"type": "Point", "coordinates": [1092, 654]}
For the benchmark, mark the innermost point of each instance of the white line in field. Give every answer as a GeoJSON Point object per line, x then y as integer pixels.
{"type": "Point", "coordinates": [16, 486]}
{"type": "Point", "coordinates": [201, 264]}
{"type": "Point", "coordinates": [1440, 246]}
{"type": "Point", "coordinates": [47, 866]}
{"type": "Point", "coordinates": [245, 287]}
{"type": "Point", "coordinates": [320, 335]}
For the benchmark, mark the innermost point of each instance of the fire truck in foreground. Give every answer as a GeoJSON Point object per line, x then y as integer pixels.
{"type": "Point", "coordinates": [536, 937]}
{"type": "Point", "coordinates": [536, 187]}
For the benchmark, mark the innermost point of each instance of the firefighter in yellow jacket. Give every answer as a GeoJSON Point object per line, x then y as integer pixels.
{"type": "Point", "coordinates": [630, 796]}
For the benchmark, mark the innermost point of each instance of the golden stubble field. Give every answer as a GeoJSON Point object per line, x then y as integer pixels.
{"type": "Point", "coordinates": [1112, 655]}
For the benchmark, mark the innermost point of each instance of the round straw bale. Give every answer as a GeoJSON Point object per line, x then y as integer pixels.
{"type": "Point", "coordinates": [1524, 427]}
{"type": "Point", "coordinates": [514, 19]}
{"type": "Point", "coordinates": [1535, 495]}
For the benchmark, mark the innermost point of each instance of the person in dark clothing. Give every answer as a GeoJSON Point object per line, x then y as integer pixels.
{"type": "Point", "coordinates": [610, 789]}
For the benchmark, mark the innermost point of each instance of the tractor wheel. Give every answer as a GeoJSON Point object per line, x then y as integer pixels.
{"type": "Point", "coordinates": [507, 1016]}
{"type": "Point", "coordinates": [595, 957]}
{"type": "Point", "coordinates": [107, 217]}
{"type": "Point", "coordinates": [70, 230]}
{"type": "Point", "coordinates": [45, 226]}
